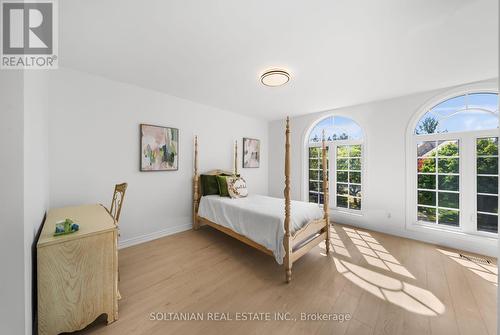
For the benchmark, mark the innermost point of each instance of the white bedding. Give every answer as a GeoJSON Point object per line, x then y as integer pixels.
{"type": "Point", "coordinates": [259, 218]}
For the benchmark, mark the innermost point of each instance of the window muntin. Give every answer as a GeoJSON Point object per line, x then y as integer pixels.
{"type": "Point", "coordinates": [315, 174]}
{"type": "Point", "coordinates": [343, 132]}
{"type": "Point", "coordinates": [487, 184]}
{"type": "Point", "coordinates": [468, 112]}
{"type": "Point", "coordinates": [336, 128]}
{"type": "Point", "coordinates": [441, 195]}
{"type": "Point", "coordinates": [348, 176]}
{"type": "Point", "coordinates": [438, 182]}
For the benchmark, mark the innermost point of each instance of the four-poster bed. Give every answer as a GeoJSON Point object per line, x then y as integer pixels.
{"type": "Point", "coordinates": [258, 220]}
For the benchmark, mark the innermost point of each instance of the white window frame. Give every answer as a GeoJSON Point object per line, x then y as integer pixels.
{"type": "Point", "coordinates": [432, 138]}
{"type": "Point", "coordinates": [467, 167]}
{"type": "Point", "coordinates": [332, 151]}
{"type": "Point", "coordinates": [474, 214]}
{"type": "Point", "coordinates": [332, 180]}
{"type": "Point", "coordinates": [317, 145]}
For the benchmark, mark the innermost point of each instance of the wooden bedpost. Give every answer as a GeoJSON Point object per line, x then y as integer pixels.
{"type": "Point", "coordinates": [196, 189]}
{"type": "Point", "coordinates": [326, 193]}
{"type": "Point", "coordinates": [235, 170]}
{"type": "Point", "coordinates": [287, 239]}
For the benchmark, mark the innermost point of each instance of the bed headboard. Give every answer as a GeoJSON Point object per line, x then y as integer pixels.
{"type": "Point", "coordinates": [197, 181]}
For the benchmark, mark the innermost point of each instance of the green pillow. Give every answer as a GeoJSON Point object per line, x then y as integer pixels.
{"type": "Point", "coordinates": [222, 181]}
{"type": "Point", "coordinates": [209, 185]}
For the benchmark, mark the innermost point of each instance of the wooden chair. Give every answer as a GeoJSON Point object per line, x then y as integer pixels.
{"type": "Point", "coordinates": [115, 211]}
{"type": "Point", "coordinates": [117, 201]}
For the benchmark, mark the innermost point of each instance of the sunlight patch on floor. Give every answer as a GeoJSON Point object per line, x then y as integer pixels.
{"type": "Point", "coordinates": [374, 253]}
{"type": "Point", "coordinates": [336, 244]}
{"type": "Point", "coordinates": [410, 297]}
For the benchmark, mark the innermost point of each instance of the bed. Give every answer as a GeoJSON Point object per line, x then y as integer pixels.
{"type": "Point", "coordinates": [259, 218]}
{"type": "Point", "coordinates": [282, 228]}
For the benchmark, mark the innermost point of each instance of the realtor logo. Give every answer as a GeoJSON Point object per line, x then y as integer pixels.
{"type": "Point", "coordinates": [29, 37]}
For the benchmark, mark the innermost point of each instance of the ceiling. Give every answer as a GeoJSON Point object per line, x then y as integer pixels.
{"type": "Point", "coordinates": [339, 52]}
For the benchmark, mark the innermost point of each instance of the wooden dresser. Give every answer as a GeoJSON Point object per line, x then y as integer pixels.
{"type": "Point", "coordinates": [77, 273]}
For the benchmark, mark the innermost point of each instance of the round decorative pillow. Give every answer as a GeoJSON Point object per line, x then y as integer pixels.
{"type": "Point", "coordinates": [237, 187]}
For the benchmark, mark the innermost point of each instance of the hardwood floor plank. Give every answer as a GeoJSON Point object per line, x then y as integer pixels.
{"type": "Point", "coordinates": [386, 284]}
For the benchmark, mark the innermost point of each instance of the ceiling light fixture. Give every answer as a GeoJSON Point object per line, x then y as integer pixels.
{"type": "Point", "coordinates": [274, 78]}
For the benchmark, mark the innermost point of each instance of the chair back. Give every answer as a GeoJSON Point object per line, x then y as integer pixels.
{"type": "Point", "coordinates": [117, 202]}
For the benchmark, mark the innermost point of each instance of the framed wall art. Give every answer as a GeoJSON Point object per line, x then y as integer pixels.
{"type": "Point", "coordinates": [159, 148]}
{"type": "Point", "coordinates": [251, 153]}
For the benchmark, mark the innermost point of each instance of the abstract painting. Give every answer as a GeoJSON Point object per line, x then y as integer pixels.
{"type": "Point", "coordinates": [251, 153]}
{"type": "Point", "coordinates": [159, 148]}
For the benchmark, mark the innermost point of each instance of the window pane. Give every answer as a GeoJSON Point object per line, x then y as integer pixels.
{"type": "Point", "coordinates": [427, 181]}
{"type": "Point", "coordinates": [341, 201]}
{"type": "Point", "coordinates": [314, 163]}
{"type": "Point", "coordinates": [314, 152]}
{"type": "Point", "coordinates": [355, 164]}
{"type": "Point", "coordinates": [342, 164]}
{"type": "Point", "coordinates": [448, 217]}
{"type": "Point", "coordinates": [355, 150]}
{"type": "Point", "coordinates": [487, 146]}
{"type": "Point", "coordinates": [470, 120]}
{"type": "Point", "coordinates": [354, 203]}
{"type": "Point", "coordinates": [448, 148]}
{"type": "Point", "coordinates": [487, 223]}
{"type": "Point", "coordinates": [426, 165]}
{"type": "Point", "coordinates": [448, 165]}
{"type": "Point", "coordinates": [321, 198]}
{"type": "Point", "coordinates": [483, 100]}
{"type": "Point", "coordinates": [450, 200]}
{"type": "Point", "coordinates": [448, 183]}
{"type": "Point", "coordinates": [313, 175]}
{"type": "Point", "coordinates": [487, 184]}
{"type": "Point", "coordinates": [487, 165]}
{"type": "Point", "coordinates": [313, 197]}
{"type": "Point", "coordinates": [342, 189]}
{"type": "Point", "coordinates": [355, 190]}
{"type": "Point", "coordinates": [426, 149]}
{"type": "Point", "coordinates": [450, 106]}
{"type": "Point", "coordinates": [349, 160]}
{"type": "Point", "coordinates": [426, 214]}
{"type": "Point", "coordinates": [470, 112]}
{"type": "Point", "coordinates": [428, 124]}
{"type": "Point", "coordinates": [336, 128]}
{"type": "Point", "coordinates": [427, 198]}
{"type": "Point", "coordinates": [342, 151]}
{"type": "Point", "coordinates": [355, 177]}
{"type": "Point", "coordinates": [342, 176]}
{"type": "Point", "coordinates": [315, 186]}
{"type": "Point", "coordinates": [487, 203]}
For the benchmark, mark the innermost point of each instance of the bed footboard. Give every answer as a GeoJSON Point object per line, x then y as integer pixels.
{"type": "Point", "coordinates": [310, 229]}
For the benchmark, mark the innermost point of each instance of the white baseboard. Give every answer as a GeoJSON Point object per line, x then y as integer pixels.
{"type": "Point", "coordinates": [153, 236]}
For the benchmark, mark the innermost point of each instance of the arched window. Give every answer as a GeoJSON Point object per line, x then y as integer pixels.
{"type": "Point", "coordinates": [455, 152]}
{"type": "Point", "coordinates": [345, 149]}
{"type": "Point", "coordinates": [468, 112]}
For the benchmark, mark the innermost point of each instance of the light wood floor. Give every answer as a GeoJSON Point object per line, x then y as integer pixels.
{"type": "Point", "coordinates": [389, 285]}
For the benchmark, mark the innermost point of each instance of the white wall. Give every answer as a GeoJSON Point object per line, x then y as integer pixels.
{"type": "Point", "coordinates": [94, 144]}
{"type": "Point", "coordinates": [23, 190]}
{"type": "Point", "coordinates": [12, 284]}
{"type": "Point", "coordinates": [384, 185]}
{"type": "Point", "coordinates": [36, 172]}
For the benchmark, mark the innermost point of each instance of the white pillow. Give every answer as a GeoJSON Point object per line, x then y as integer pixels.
{"type": "Point", "coordinates": [237, 187]}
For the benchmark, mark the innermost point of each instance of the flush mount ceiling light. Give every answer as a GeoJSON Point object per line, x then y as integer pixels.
{"type": "Point", "coordinates": [274, 78]}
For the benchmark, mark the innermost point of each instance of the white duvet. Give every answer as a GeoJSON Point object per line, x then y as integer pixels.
{"type": "Point", "coordinates": [259, 218]}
